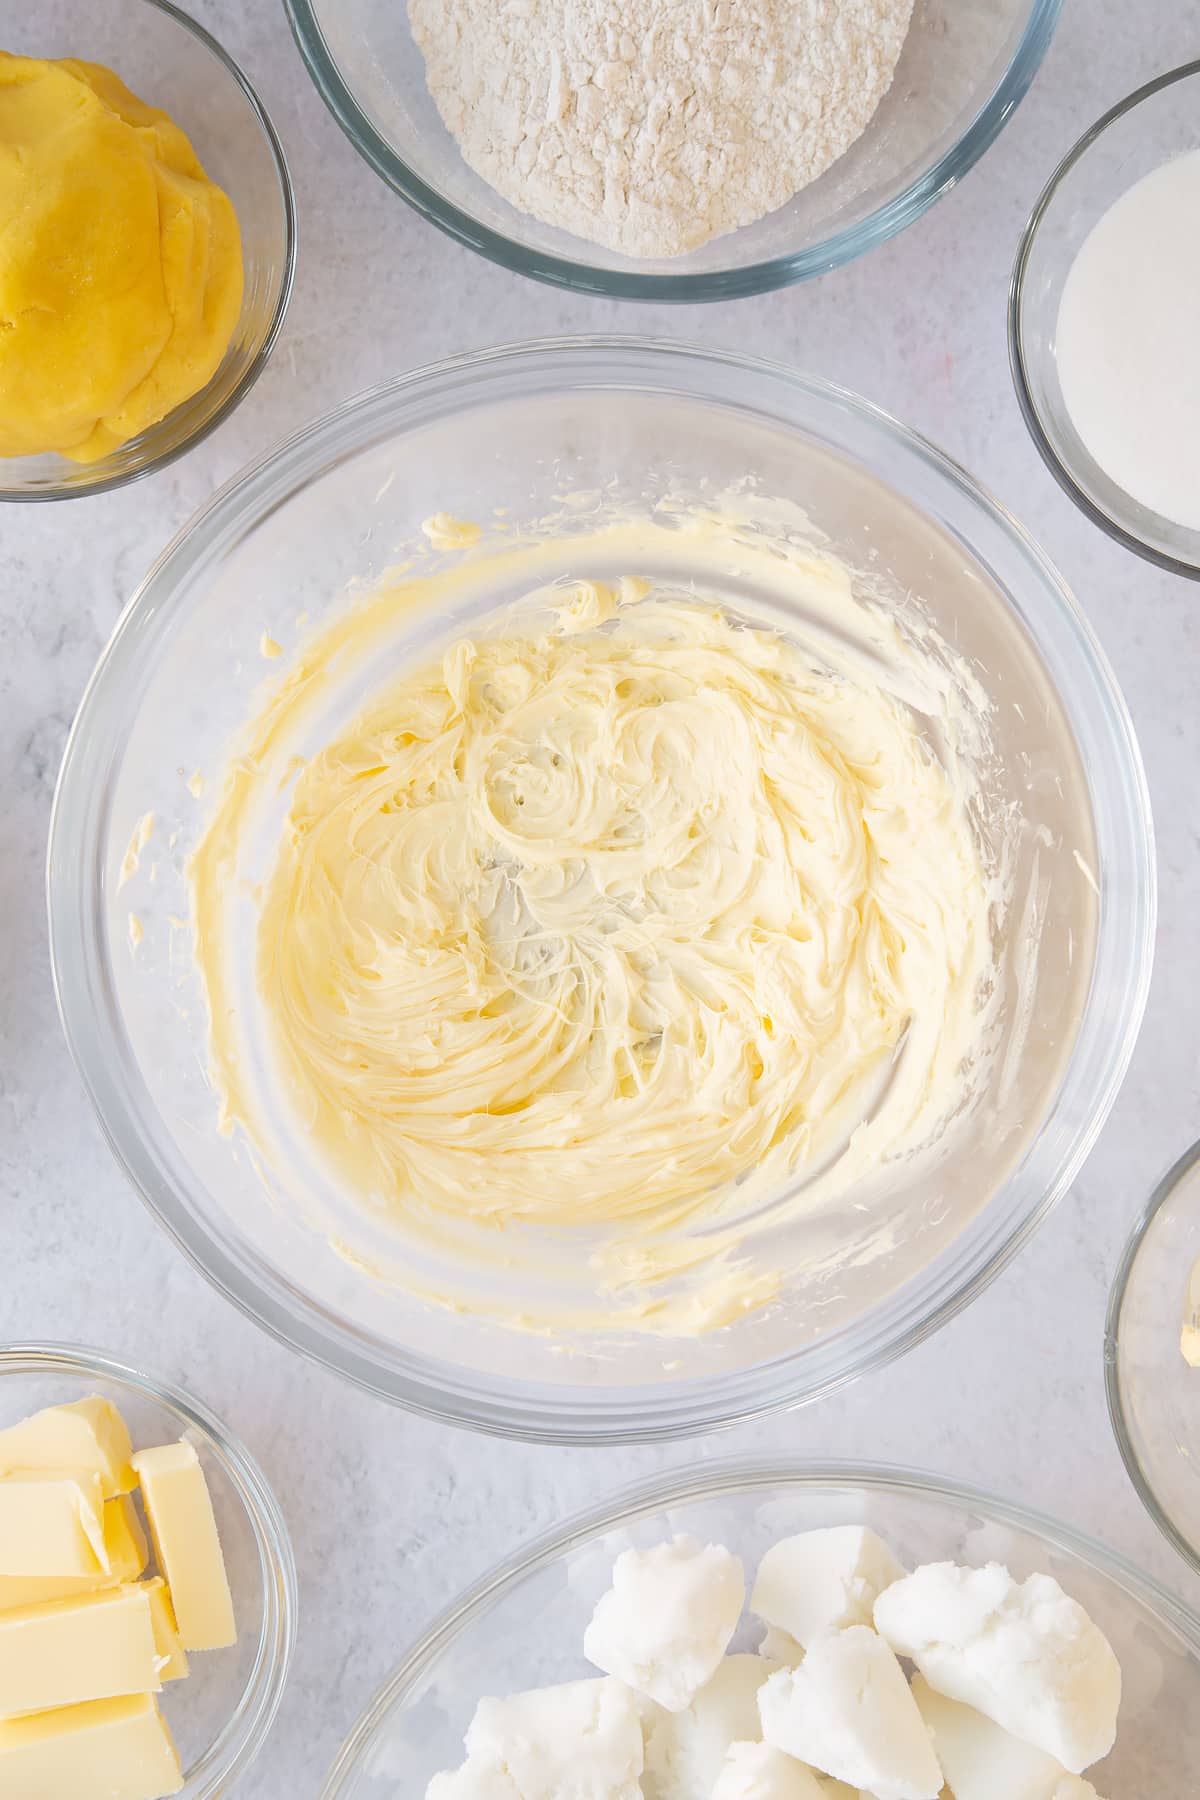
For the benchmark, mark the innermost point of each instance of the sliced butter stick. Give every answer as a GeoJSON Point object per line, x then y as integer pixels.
{"type": "Point", "coordinates": [52, 1524]}
{"type": "Point", "coordinates": [69, 1651]}
{"type": "Point", "coordinates": [172, 1657]}
{"type": "Point", "coordinates": [106, 1750]}
{"type": "Point", "coordinates": [186, 1543]}
{"type": "Point", "coordinates": [127, 1551]}
{"type": "Point", "coordinates": [87, 1434]}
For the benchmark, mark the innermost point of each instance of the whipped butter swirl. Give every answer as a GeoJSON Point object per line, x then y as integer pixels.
{"type": "Point", "coordinates": [619, 915]}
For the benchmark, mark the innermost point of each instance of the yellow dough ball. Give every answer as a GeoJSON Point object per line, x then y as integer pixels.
{"type": "Point", "coordinates": [120, 262]}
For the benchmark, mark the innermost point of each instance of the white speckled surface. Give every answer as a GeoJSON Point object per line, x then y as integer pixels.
{"type": "Point", "coordinates": [390, 1515]}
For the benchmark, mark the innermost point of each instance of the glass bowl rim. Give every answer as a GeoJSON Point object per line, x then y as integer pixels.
{"type": "Point", "coordinates": [254, 368]}
{"type": "Point", "coordinates": [441, 1390]}
{"type": "Point", "coordinates": [1019, 363]}
{"type": "Point", "coordinates": [712, 1480]}
{"type": "Point", "coordinates": [712, 285]}
{"type": "Point", "coordinates": [260, 1700]}
{"type": "Point", "coordinates": [1135, 1466]}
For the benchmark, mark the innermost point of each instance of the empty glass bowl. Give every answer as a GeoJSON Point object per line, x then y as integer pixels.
{"type": "Point", "coordinates": [298, 537]}
{"type": "Point", "coordinates": [1133, 138]}
{"type": "Point", "coordinates": [219, 1716]}
{"type": "Point", "coordinates": [1153, 1394]}
{"type": "Point", "coordinates": [965, 67]}
{"type": "Point", "coordinates": [523, 1625]}
{"type": "Point", "coordinates": [171, 62]}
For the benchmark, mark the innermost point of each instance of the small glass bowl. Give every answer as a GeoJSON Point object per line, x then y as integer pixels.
{"type": "Point", "coordinates": [219, 1716]}
{"type": "Point", "coordinates": [523, 1625]}
{"type": "Point", "coordinates": [171, 62]}
{"type": "Point", "coordinates": [1153, 1395]}
{"type": "Point", "coordinates": [1138, 135]}
{"type": "Point", "coordinates": [961, 76]}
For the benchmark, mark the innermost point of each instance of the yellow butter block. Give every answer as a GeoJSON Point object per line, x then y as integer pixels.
{"type": "Point", "coordinates": [86, 1434]}
{"type": "Point", "coordinates": [128, 1554]}
{"type": "Point", "coordinates": [172, 1657]}
{"type": "Point", "coordinates": [124, 1539]}
{"type": "Point", "coordinates": [68, 1651]}
{"type": "Point", "coordinates": [52, 1524]}
{"type": "Point", "coordinates": [106, 1750]}
{"type": "Point", "coordinates": [184, 1530]}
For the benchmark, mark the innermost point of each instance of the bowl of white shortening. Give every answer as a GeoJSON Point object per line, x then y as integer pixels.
{"type": "Point", "coordinates": [458, 1288]}
{"type": "Point", "coordinates": [523, 1628]}
{"type": "Point", "coordinates": [677, 151]}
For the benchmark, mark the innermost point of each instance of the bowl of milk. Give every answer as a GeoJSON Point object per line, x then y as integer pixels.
{"type": "Point", "coordinates": [1104, 322]}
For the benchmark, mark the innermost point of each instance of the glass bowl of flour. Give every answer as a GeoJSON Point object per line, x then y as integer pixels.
{"type": "Point", "coordinates": [677, 152]}
{"type": "Point", "coordinates": [656, 1088]}
{"type": "Point", "coordinates": [1103, 342]}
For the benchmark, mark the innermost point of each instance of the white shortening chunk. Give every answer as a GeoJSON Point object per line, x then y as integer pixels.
{"type": "Point", "coordinates": [667, 1619]}
{"type": "Point", "coordinates": [579, 1741]}
{"type": "Point", "coordinates": [822, 1581]}
{"type": "Point", "coordinates": [1023, 1653]}
{"type": "Point", "coordinates": [685, 1750]}
{"type": "Point", "coordinates": [760, 1772]}
{"type": "Point", "coordinates": [781, 1647]}
{"type": "Point", "coordinates": [847, 1710]}
{"type": "Point", "coordinates": [1074, 1787]}
{"type": "Point", "coordinates": [980, 1760]}
{"type": "Point", "coordinates": [474, 1781]}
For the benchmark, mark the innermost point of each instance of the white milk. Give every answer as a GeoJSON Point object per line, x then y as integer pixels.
{"type": "Point", "coordinates": [1129, 341]}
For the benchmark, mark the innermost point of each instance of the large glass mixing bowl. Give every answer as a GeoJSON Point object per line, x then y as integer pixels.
{"type": "Point", "coordinates": [966, 66]}
{"type": "Point", "coordinates": [523, 1625]}
{"type": "Point", "coordinates": [517, 429]}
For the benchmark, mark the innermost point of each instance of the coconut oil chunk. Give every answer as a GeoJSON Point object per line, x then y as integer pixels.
{"type": "Point", "coordinates": [685, 1751]}
{"type": "Point", "coordinates": [106, 1750]}
{"type": "Point", "coordinates": [187, 1545]}
{"type": "Point", "coordinates": [983, 1762]}
{"type": "Point", "coordinates": [581, 1740]}
{"type": "Point", "coordinates": [822, 1581]}
{"type": "Point", "coordinates": [847, 1710]}
{"type": "Point", "coordinates": [1024, 1654]}
{"type": "Point", "coordinates": [760, 1772]}
{"type": "Point", "coordinates": [665, 1623]}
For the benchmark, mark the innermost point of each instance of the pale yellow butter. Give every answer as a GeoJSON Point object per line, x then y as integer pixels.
{"type": "Point", "coordinates": [172, 1657]}
{"type": "Point", "coordinates": [94, 1647]}
{"type": "Point", "coordinates": [86, 1434]}
{"type": "Point", "coordinates": [127, 1551]}
{"type": "Point", "coordinates": [52, 1524]}
{"type": "Point", "coordinates": [673, 923]}
{"type": "Point", "coordinates": [106, 1750]}
{"type": "Point", "coordinates": [184, 1529]}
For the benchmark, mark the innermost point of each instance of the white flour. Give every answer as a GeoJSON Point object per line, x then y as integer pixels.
{"type": "Point", "coordinates": [651, 126]}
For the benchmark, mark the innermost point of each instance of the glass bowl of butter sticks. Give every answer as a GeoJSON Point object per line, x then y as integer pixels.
{"type": "Point", "coordinates": [147, 1586]}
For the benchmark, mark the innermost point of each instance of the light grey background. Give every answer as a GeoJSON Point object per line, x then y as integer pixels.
{"type": "Point", "coordinates": [390, 1515]}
